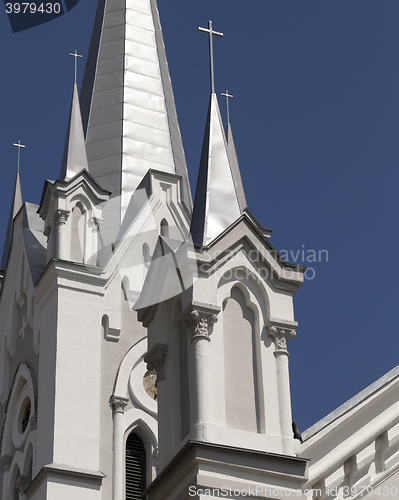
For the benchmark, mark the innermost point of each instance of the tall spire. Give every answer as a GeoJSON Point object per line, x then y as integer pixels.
{"type": "Point", "coordinates": [74, 159]}
{"type": "Point", "coordinates": [218, 198]}
{"type": "Point", "coordinates": [16, 204]}
{"type": "Point", "coordinates": [128, 108]}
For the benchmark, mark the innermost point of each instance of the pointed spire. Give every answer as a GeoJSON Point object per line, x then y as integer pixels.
{"type": "Point", "coordinates": [219, 198]}
{"type": "Point", "coordinates": [16, 204]}
{"type": "Point", "coordinates": [128, 108]}
{"type": "Point", "coordinates": [74, 159]}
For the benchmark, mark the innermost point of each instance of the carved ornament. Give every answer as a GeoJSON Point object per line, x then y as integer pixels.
{"type": "Point", "coordinates": [5, 462]}
{"type": "Point", "coordinates": [155, 360]}
{"type": "Point", "coordinates": [95, 223]}
{"type": "Point", "coordinates": [280, 335]}
{"type": "Point", "coordinates": [61, 216]}
{"type": "Point", "coordinates": [200, 321]}
{"type": "Point", "coordinates": [22, 483]}
{"type": "Point", "coordinates": [119, 404]}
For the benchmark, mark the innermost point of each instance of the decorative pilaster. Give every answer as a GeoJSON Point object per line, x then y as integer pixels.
{"type": "Point", "coordinates": [118, 405]}
{"type": "Point", "coordinates": [199, 318]}
{"type": "Point", "coordinates": [5, 462]}
{"type": "Point", "coordinates": [281, 331]}
{"type": "Point", "coordinates": [61, 218]}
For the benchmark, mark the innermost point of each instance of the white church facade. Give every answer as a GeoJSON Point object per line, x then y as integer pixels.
{"type": "Point", "coordinates": [143, 336]}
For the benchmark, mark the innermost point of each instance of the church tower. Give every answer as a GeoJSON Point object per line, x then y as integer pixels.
{"type": "Point", "coordinates": [219, 348]}
{"type": "Point", "coordinates": [143, 340]}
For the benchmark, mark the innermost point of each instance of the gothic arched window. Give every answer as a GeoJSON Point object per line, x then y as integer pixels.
{"type": "Point", "coordinates": [135, 467]}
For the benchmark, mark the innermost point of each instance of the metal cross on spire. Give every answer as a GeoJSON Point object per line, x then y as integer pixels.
{"type": "Point", "coordinates": [76, 55]}
{"type": "Point", "coordinates": [227, 95]}
{"type": "Point", "coordinates": [211, 33]}
{"type": "Point", "coordinates": [19, 146]}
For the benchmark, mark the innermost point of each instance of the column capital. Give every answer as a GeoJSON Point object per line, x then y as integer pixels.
{"type": "Point", "coordinates": [61, 216]}
{"type": "Point", "coordinates": [119, 404]}
{"type": "Point", "coordinates": [281, 331]}
{"type": "Point", "coordinates": [5, 462]}
{"type": "Point", "coordinates": [200, 318]}
{"type": "Point", "coordinates": [22, 483]}
{"type": "Point", "coordinates": [155, 359]}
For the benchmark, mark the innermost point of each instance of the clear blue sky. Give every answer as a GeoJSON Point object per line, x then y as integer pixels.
{"type": "Point", "coordinates": [315, 117]}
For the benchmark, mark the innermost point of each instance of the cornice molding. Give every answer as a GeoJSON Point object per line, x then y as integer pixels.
{"type": "Point", "coordinates": [56, 471]}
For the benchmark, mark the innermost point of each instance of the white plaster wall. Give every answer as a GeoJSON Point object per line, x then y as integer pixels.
{"type": "Point", "coordinates": [78, 380]}
{"type": "Point", "coordinates": [68, 489]}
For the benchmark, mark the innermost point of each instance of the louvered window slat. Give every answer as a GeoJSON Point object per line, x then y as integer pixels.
{"type": "Point", "coordinates": [135, 467]}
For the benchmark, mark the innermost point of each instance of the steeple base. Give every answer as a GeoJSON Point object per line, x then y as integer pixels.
{"type": "Point", "coordinates": [202, 470]}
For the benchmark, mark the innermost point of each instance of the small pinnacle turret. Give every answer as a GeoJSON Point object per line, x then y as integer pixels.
{"type": "Point", "coordinates": [16, 204]}
{"type": "Point", "coordinates": [219, 198]}
{"type": "Point", "coordinates": [74, 159]}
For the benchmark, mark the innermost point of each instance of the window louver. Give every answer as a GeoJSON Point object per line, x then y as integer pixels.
{"type": "Point", "coordinates": [135, 467]}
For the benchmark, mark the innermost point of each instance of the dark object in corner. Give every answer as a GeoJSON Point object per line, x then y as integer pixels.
{"type": "Point", "coordinates": [297, 434]}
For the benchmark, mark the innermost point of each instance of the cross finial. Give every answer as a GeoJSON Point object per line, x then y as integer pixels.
{"type": "Point", "coordinates": [76, 55]}
{"type": "Point", "coordinates": [19, 146]}
{"type": "Point", "coordinates": [211, 33]}
{"type": "Point", "coordinates": [227, 95]}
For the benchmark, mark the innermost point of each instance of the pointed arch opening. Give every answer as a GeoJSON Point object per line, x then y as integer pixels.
{"type": "Point", "coordinates": [136, 467]}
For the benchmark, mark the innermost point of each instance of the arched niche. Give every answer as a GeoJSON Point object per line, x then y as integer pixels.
{"type": "Point", "coordinates": [78, 232]}
{"type": "Point", "coordinates": [241, 323]}
{"type": "Point", "coordinates": [145, 251]}
{"type": "Point", "coordinates": [164, 228]}
{"type": "Point", "coordinates": [240, 363]}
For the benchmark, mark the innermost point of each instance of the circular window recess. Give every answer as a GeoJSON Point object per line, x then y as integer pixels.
{"type": "Point", "coordinates": [24, 415]}
{"type": "Point", "coordinates": [149, 383]}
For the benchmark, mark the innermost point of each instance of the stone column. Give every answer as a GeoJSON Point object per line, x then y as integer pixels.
{"type": "Point", "coordinates": [280, 335]}
{"type": "Point", "coordinates": [118, 405]}
{"type": "Point", "coordinates": [155, 359]}
{"type": "Point", "coordinates": [200, 321]}
{"type": "Point", "coordinates": [62, 251]}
